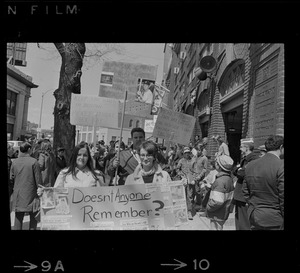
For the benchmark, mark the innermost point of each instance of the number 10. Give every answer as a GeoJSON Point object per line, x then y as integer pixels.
{"type": "Point", "coordinates": [203, 264]}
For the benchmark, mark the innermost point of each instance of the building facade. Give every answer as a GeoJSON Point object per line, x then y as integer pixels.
{"type": "Point", "coordinates": [17, 99]}
{"type": "Point", "coordinates": [243, 96]}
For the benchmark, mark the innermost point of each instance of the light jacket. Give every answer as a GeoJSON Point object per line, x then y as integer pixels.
{"type": "Point", "coordinates": [160, 176]}
{"type": "Point", "coordinates": [84, 178]}
{"type": "Point", "coordinates": [220, 198]}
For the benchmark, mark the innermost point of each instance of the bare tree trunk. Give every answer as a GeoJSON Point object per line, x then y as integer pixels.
{"type": "Point", "coordinates": [69, 82]}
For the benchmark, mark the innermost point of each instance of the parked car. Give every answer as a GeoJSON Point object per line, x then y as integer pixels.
{"type": "Point", "coordinates": [16, 146]}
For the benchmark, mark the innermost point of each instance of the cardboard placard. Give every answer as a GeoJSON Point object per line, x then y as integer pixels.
{"type": "Point", "coordinates": [94, 111]}
{"type": "Point", "coordinates": [144, 206]}
{"type": "Point", "coordinates": [174, 126]}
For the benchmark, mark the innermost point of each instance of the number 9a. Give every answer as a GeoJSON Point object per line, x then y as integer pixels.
{"type": "Point", "coordinates": [46, 266]}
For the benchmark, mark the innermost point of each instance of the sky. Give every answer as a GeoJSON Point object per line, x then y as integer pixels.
{"type": "Point", "coordinates": [43, 65]}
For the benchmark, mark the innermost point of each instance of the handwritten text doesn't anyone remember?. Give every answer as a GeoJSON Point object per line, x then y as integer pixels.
{"type": "Point", "coordinates": [79, 196]}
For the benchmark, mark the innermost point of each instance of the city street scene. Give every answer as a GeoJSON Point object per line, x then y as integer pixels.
{"type": "Point", "coordinates": [145, 136]}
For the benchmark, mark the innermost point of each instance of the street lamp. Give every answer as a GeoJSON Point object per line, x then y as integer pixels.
{"type": "Point", "coordinates": [40, 125]}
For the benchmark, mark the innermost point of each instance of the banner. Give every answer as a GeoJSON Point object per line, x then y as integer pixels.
{"type": "Point", "coordinates": [141, 207]}
{"type": "Point", "coordinates": [174, 126]}
{"type": "Point", "coordinates": [94, 111]}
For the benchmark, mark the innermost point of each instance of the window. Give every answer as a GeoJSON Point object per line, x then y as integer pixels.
{"type": "Point", "coordinates": [130, 123]}
{"type": "Point", "coordinates": [233, 79]}
{"type": "Point", "coordinates": [137, 123]}
{"type": "Point", "coordinates": [89, 140]}
{"type": "Point", "coordinates": [10, 130]}
{"type": "Point", "coordinates": [11, 102]}
{"type": "Point", "coordinates": [204, 129]}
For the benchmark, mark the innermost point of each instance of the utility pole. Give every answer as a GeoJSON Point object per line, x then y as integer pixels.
{"type": "Point", "coordinates": [40, 122]}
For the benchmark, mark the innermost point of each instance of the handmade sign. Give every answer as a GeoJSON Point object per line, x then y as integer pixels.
{"type": "Point", "coordinates": [94, 111]}
{"type": "Point", "coordinates": [140, 207]}
{"type": "Point", "coordinates": [174, 126]}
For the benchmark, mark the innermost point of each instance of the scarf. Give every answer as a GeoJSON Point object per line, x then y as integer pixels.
{"type": "Point", "coordinates": [150, 172]}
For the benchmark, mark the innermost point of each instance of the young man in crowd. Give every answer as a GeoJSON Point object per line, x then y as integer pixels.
{"type": "Point", "coordinates": [185, 170]}
{"type": "Point", "coordinates": [200, 166]}
{"type": "Point", "coordinates": [129, 158]}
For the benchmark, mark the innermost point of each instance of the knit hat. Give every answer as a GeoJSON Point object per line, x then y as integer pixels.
{"type": "Point", "coordinates": [247, 140]}
{"type": "Point", "coordinates": [186, 150]}
{"type": "Point", "coordinates": [225, 162]}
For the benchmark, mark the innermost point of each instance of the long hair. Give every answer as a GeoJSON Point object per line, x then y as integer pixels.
{"type": "Point", "coordinates": [46, 147]}
{"type": "Point", "coordinates": [73, 159]}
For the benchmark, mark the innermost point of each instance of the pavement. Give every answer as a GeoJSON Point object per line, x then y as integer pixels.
{"type": "Point", "coordinates": [203, 223]}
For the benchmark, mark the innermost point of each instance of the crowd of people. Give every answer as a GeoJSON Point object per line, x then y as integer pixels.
{"type": "Point", "coordinates": [215, 186]}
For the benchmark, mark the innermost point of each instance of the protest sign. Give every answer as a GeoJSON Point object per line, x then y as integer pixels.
{"type": "Point", "coordinates": [149, 124]}
{"type": "Point", "coordinates": [174, 126]}
{"type": "Point", "coordinates": [94, 111]}
{"type": "Point", "coordinates": [159, 92]}
{"type": "Point", "coordinates": [139, 207]}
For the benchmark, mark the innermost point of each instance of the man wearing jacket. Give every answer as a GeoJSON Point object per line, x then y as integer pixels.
{"type": "Point", "coordinates": [263, 187]}
{"type": "Point", "coordinates": [218, 206]}
{"type": "Point", "coordinates": [241, 217]}
{"type": "Point", "coordinates": [25, 171]}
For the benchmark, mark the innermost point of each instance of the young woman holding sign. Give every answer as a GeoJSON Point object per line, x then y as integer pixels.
{"type": "Point", "coordinates": [80, 172]}
{"type": "Point", "coordinates": [149, 171]}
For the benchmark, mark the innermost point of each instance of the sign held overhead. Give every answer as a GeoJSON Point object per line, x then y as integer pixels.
{"type": "Point", "coordinates": [94, 111]}
{"type": "Point", "coordinates": [174, 126]}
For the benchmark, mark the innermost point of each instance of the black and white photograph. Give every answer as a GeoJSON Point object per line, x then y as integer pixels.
{"type": "Point", "coordinates": [210, 167]}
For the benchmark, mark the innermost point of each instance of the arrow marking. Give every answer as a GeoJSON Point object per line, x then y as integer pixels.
{"type": "Point", "coordinates": [30, 266]}
{"type": "Point", "coordinates": [180, 265]}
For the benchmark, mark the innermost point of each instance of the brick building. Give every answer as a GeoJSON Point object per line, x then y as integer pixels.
{"type": "Point", "coordinates": [243, 97]}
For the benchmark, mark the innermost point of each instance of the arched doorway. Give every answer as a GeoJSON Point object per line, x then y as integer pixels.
{"type": "Point", "coordinates": [231, 89]}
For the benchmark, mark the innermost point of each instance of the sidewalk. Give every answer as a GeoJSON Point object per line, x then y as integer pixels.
{"type": "Point", "coordinates": [203, 223]}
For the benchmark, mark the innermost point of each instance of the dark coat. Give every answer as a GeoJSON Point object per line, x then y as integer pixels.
{"type": "Point", "coordinates": [26, 173]}
{"type": "Point", "coordinates": [61, 163]}
{"type": "Point", "coordinates": [263, 189]}
{"type": "Point", "coordinates": [240, 174]}
{"type": "Point", "coordinates": [48, 168]}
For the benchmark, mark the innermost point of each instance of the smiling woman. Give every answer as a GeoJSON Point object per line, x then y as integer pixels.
{"type": "Point", "coordinates": [149, 171]}
{"type": "Point", "coordinates": [81, 172]}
